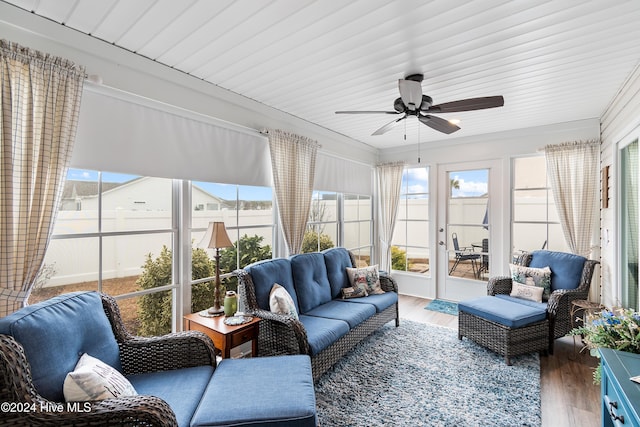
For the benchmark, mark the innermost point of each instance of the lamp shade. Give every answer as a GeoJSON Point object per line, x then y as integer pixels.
{"type": "Point", "coordinates": [216, 236]}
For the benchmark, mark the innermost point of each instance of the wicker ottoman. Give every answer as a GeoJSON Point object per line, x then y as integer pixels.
{"type": "Point", "coordinates": [503, 326]}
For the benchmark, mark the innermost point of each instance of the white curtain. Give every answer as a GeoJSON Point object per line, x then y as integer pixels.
{"type": "Point", "coordinates": [389, 186]}
{"type": "Point", "coordinates": [40, 102]}
{"type": "Point", "coordinates": [293, 161]}
{"type": "Point", "coordinates": [572, 168]}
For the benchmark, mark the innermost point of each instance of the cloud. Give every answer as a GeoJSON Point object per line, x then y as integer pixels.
{"type": "Point", "coordinates": [470, 188]}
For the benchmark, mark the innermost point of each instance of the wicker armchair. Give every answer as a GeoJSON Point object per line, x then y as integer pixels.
{"type": "Point", "coordinates": [284, 335]}
{"type": "Point", "coordinates": [559, 302]}
{"type": "Point", "coordinates": [138, 355]}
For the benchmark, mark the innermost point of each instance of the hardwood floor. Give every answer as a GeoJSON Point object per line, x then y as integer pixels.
{"type": "Point", "coordinates": [569, 397]}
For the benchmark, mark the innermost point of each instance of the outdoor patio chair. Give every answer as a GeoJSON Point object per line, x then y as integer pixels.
{"type": "Point", "coordinates": [464, 254]}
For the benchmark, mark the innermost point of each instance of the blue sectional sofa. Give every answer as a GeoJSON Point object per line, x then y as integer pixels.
{"type": "Point", "coordinates": [327, 326]}
{"type": "Point", "coordinates": [175, 376]}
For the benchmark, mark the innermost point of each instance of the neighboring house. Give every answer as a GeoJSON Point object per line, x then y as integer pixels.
{"type": "Point", "coordinates": [139, 194]}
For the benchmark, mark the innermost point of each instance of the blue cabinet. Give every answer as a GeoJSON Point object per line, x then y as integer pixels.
{"type": "Point", "coordinates": [620, 395]}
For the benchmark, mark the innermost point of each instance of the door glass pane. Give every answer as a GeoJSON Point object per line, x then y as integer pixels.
{"type": "Point", "coordinates": [468, 224]}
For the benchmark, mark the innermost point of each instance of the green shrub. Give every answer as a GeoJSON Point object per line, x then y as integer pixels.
{"type": "Point", "coordinates": [398, 259]}
{"type": "Point", "coordinates": [310, 242]}
{"type": "Point", "coordinates": [251, 250]}
{"type": "Point", "coordinates": [154, 310]}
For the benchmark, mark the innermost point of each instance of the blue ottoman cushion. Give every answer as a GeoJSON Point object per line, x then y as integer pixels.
{"type": "Point", "coordinates": [262, 391]}
{"type": "Point", "coordinates": [534, 304]}
{"type": "Point", "coordinates": [508, 313]}
{"type": "Point", "coordinates": [180, 388]}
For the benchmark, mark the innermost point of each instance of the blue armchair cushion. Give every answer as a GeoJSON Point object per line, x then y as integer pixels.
{"type": "Point", "coordinates": [322, 332]}
{"type": "Point", "coordinates": [566, 269]}
{"type": "Point", "coordinates": [337, 261]}
{"type": "Point", "coordinates": [182, 389]}
{"type": "Point", "coordinates": [311, 281]}
{"type": "Point", "coordinates": [269, 272]}
{"type": "Point", "coordinates": [509, 313]}
{"type": "Point", "coordinates": [56, 332]}
{"type": "Point", "coordinates": [276, 391]}
{"type": "Point", "coordinates": [353, 314]}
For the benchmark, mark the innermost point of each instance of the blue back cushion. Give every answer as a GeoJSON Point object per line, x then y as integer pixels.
{"type": "Point", "coordinates": [566, 269]}
{"type": "Point", "coordinates": [311, 281]}
{"type": "Point", "coordinates": [337, 260]}
{"type": "Point", "coordinates": [266, 273]}
{"type": "Point", "coordinates": [56, 332]}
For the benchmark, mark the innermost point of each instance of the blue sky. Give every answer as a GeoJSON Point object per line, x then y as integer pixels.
{"type": "Point", "coordinates": [473, 183]}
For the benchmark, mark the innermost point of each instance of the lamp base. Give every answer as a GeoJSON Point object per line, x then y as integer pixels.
{"type": "Point", "coordinates": [215, 311]}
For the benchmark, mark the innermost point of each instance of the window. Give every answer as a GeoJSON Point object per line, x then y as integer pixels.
{"type": "Point", "coordinates": [247, 213]}
{"type": "Point", "coordinates": [104, 235]}
{"type": "Point", "coordinates": [535, 223]}
{"type": "Point", "coordinates": [322, 227]}
{"type": "Point", "coordinates": [358, 225]}
{"type": "Point", "coordinates": [410, 246]}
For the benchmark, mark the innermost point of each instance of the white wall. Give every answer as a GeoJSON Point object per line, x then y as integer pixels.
{"type": "Point", "coordinates": [621, 118]}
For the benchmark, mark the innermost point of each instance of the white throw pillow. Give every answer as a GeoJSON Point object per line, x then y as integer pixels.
{"type": "Point", "coordinates": [93, 379]}
{"type": "Point", "coordinates": [532, 293]}
{"type": "Point", "coordinates": [367, 276]}
{"type": "Point", "coordinates": [281, 302]}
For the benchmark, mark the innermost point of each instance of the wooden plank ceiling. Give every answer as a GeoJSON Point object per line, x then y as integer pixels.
{"type": "Point", "coordinates": [553, 61]}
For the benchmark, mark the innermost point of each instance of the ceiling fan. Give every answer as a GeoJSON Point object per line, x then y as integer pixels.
{"type": "Point", "coordinates": [413, 103]}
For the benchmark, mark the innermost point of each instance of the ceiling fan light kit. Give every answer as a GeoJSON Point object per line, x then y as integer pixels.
{"type": "Point", "coordinates": [412, 102]}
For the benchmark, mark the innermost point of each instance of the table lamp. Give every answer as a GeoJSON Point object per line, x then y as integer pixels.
{"type": "Point", "coordinates": [216, 237]}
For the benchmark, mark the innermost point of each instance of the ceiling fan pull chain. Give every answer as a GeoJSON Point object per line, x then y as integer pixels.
{"type": "Point", "coordinates": [418, 144]}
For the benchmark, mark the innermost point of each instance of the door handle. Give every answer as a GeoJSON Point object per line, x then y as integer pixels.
{"type": "Point", "coordinates": [441, 243]}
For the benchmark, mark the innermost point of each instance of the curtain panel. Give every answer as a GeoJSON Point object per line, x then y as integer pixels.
{"type": "Point", "coordinates": [40, 102]}
{"type": "Point", "coordinates": [572, 168]}
{"type": "Point", "coordinates": [389, 186]}
{"type": "Point", "coordinates": [293, 161]}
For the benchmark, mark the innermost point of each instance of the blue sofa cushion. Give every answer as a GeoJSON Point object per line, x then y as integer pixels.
{"type": "Point", "coordinates": [311, 281]}
{"type": "Point", "coordinates": [508, 313]}
{"type": "Point", "coordinates": [265, 274]}
{"type": "Point", "coordinates": [322, 332]}
{"type": "Point", "coordinates": [381, 301]}
{"type": "Point", "coordinates": [566, 269]}
{"type": "Point", "coordinates": [337, 261]}
{"type": "Point", "coordinates": [353, 314]}
{"type": "Point", "coordinates": [56, 332]}
{"type": "Point", "coordinates": [275, 391]}
{"type": "Point", "coordinates": [182, 389]}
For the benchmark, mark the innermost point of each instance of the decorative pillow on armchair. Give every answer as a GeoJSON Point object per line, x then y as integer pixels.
{"type": "Point", "coordinates": [532, 293]}
{"type": "Point", "coordinates": [93, 379]}
{"type": "Point", "coordinates": [540, 277]}
{"type": "Point", "coordinates": [367, 277]}
{"type": "Point", "coordinates": [281, 302]}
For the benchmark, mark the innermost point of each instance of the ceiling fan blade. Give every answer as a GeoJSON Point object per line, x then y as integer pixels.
{"type": "Point", "coordinates": [386, 128]}
{"type": "Point", "coordinates": [438, 124]}
{"type": "Point", "coordinates": [468, 104]}
{"type": "Point", "coordinates": [411, 93]}
{"type": "Point", "coordinates": [367, 112]}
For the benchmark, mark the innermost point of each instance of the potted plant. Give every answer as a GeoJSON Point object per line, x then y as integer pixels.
{"type": "Point", "coordinates": [617, 329]}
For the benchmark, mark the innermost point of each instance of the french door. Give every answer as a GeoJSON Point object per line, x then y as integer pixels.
{"type": "Point", "coordinates": [467, 212]}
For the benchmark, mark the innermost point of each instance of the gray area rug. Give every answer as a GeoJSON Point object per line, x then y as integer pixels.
{"type": "Point", "coordinates": [422, 375]}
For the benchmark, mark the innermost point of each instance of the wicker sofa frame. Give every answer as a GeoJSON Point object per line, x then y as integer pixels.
{"type": "Point", "coordinates": [280, 334]}
{"type": "Point", "coordinates": [138, 355]}
{"type": "Point", "coordinates": [559, 303]}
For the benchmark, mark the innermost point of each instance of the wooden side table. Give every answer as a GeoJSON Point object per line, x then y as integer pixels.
{"type": "Point", "coordinates": [224, 337]}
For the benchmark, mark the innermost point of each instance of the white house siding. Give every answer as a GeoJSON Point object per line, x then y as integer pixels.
{"type": "Point", "coordinates": [621, 118]}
